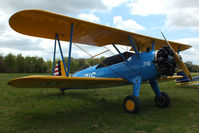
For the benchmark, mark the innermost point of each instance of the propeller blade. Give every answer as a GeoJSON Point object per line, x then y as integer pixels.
{"type": "Point", "coordinates": [178, 60]}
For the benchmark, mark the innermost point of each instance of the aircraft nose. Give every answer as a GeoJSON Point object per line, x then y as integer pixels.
{"type": "Point", "coordinates": [165, 61]}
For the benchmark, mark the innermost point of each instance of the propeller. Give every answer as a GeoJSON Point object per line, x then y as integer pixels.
{"type": "Point", "coordinates": [178, 60]}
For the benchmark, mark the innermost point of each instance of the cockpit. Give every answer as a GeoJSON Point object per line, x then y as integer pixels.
{"type": "Point", "coordinates": [114, 59]}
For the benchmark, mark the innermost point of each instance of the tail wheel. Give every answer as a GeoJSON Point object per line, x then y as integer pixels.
{"type": "Point", "coordinates": [132, 104]}
{"type": "Point", "coordinates": [163, 101]}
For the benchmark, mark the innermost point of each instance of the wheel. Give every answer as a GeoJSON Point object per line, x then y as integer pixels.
{"type": "Point", "coordinates": [163, 101]}
{"type": "Point", "coordinates": [132, 104]}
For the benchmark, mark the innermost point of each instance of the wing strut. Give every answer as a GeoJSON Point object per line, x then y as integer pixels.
{"type": "Point", "coordinates": [54, 56]}
{"type": "Point", "coordinates": [70, 48]}
{"type": "Point", "coordinates": [57, 39]}
{"type": "Point", "coordinates": [133, 45]}
{"type": "Point", "coordinates": [69, 54]}
{"type": "Point", "coordinates": [179, 50]}
{"type": "Point", "coordinates": [153, 45]}
{"type": "Point", "coordinates": [119, 52]}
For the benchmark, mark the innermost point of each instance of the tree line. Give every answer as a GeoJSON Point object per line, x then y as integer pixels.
{"type": "Point", "coordinates": [192, 67]}
{"type": "Point", "coordinates": [21, 64]}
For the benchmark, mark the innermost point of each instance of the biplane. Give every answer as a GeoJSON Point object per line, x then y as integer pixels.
{"type": "Point", "coordinates": [149, 58]}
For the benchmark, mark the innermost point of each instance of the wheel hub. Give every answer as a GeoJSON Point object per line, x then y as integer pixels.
{"type": "Point", "coordinates": [130, 105]}
{"type": "Point", "coordinates": [161, 100]}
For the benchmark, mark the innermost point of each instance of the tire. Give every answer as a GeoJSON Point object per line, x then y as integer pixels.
{"type": "Point", "coordinates": [132, 104]}
{"type": "Point", "coordinates": [163, 101]}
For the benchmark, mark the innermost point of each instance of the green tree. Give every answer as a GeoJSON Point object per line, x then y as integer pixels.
{"type": "Point", "coordinates": [10, 63]}
{"type": "Point", "coordinates": [30, 64]}
{"type": "Point", "coordinates": [49, 66]}
{"type": "Point", "coordinates": [2, 67]}
{"type": "Point", "coordinates": [20, 62]}
{"type": "Point", "coordinates": [39, 65]}
{"type": "Point", "coordinates": [82, 63]}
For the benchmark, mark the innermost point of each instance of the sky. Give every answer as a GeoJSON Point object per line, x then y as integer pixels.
{"type": "Point", "coordinates": [177, 19]}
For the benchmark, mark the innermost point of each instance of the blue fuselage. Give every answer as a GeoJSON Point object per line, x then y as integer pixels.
{"type": "Point", "coordinates": [141, 64]}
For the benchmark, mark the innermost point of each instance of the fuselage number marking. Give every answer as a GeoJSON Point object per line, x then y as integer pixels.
{"type": "Point", "coordinates": [90, 74]}
{"type": "Point", "coordinates": [147, 64]}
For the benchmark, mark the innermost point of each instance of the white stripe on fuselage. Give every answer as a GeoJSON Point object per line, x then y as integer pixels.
{"type": "Point", "coordinates": [90, 74]}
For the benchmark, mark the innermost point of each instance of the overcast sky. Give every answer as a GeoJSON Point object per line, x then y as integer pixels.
{"type": "Point", "coordinates": [177, 19]}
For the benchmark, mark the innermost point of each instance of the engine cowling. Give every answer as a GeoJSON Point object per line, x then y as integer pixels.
{"type": "Point", "coordinates": [165, 62]}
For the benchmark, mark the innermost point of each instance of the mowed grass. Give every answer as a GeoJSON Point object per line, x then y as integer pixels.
{"type": "Point", "coordinates": [97, 110]}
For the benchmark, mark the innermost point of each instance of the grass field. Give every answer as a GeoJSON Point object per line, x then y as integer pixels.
{"type": "Point", "coordinates": [99, 110]}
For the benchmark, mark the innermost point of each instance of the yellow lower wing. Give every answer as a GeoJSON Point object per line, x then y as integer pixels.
{"type": "Point", "coordinates": [65, 82]}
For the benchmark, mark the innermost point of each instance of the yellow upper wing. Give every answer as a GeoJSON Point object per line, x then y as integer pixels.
{"type": "Point", "coordinates": [65, 82]}
{"type": "Point", "coordinates": [46, 24]}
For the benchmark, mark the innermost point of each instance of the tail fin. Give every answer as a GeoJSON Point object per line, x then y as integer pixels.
{"type": "Point", "coordinates": [184, 79]}
{"type": "Point", "coordinates": [59, 69]}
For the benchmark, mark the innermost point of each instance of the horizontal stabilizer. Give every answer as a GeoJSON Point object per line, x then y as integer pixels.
{"type": "Point", "coordinates": [65, 82]}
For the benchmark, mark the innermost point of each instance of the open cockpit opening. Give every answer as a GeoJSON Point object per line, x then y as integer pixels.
{"type": "Point", "coordinates": [114, 59]}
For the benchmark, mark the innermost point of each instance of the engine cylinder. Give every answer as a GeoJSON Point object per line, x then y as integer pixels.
{"type": "Point", "coordinates": [164, 61]}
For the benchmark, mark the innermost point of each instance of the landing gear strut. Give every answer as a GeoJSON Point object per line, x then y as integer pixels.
{"type": "Point", "coordinates": [132, 103]}
{"type": "Point", "coordinates": [162, 99]}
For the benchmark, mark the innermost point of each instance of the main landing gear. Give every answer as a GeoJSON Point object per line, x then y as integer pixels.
{"type": "Point", "coordinates": [132, 104]}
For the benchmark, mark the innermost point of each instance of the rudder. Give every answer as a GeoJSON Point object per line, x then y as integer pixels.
{"type": "Point", "coordinates": [59, 69]}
